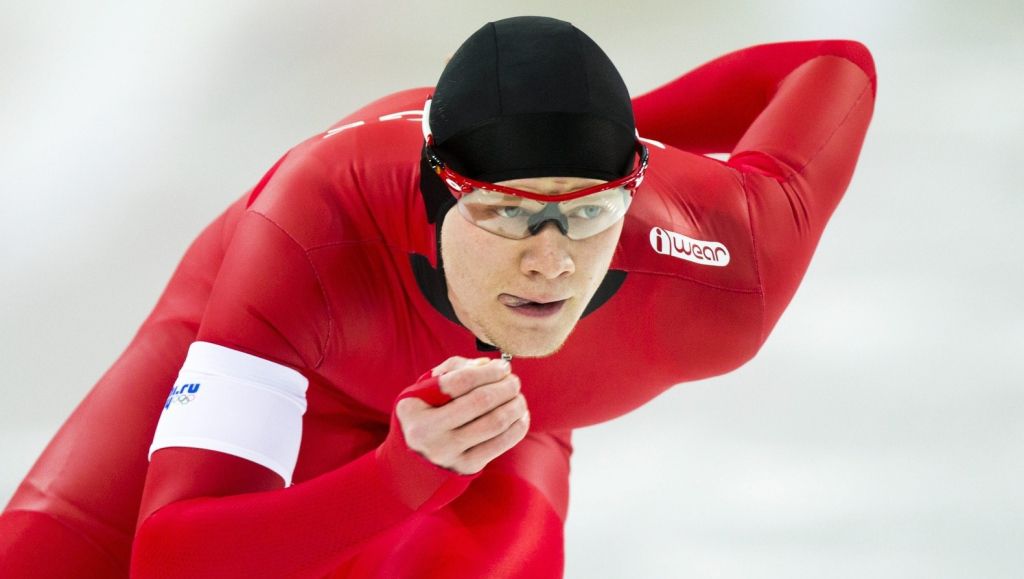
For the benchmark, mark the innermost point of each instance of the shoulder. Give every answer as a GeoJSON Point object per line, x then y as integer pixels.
{"type": "Point", "coordinates": [689, 220]}
{"type": "Point", "coordinates": [343, 183]}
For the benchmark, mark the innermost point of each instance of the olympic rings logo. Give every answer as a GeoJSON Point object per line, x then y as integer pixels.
{"type": "Point", "coordinates": [183, 394]}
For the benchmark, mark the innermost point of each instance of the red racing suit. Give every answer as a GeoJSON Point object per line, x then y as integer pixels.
{"type": "Point", "coordinates": [327, 266]}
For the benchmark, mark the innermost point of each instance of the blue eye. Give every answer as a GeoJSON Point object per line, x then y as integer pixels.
{"type": "Point", "coordinates": [588, 211]}
{"type": "Point", "coordinates": [509, 212]}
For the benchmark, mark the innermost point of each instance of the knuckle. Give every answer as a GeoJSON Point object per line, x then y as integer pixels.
{"type": "Point", "coordinates": [485, 399]}
{"type": "Point", "coordinates": [438, 457]}
{"type": "Point", "coordinates": [521, 433]}
{"type": "Point", "coordinates": [510, 384]}
{"type": "Point", "coordinates": [453, 382]}
{"type": "Point", "coordinates": [410, 405]}
{"type": "Point", "coordinates": [497, 421]}
{"type": "Point", "coordinates": [463, 377]}
{"type": "Point", "coordinates": [509, 414]}
{"type": "Point", "coordinates": [444, 455]}
{"type": "Point", "coordinates": [512, 409]}
{"type": "Point", "coordinates": [460, 440]}
{"type": "Point", "coordinates": [402, 410]}
{"type": "Point", "coordinates": [496, 370]}
{"type": "Point", "coordinates": [464, 439]}
{"type": "Point", "coordinates": [415, 433]}
{"type": "Point", "coordinates": [516, 433]}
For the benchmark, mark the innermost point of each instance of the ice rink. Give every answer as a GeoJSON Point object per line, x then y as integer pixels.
{"type": "Point", "coordinates": [879, 432]}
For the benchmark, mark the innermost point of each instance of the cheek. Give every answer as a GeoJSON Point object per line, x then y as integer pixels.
{"type": "Point", "coordinates": [598, 251]}
{"type": "Point", "coordinates": [471, 255]}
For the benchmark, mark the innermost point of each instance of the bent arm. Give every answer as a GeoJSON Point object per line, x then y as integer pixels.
{"type": "Point", "coordinates": [796, 161]}
{"type": "Point", "coordinates": [305, 530]}
{"type": "Point", "coordinates": [215, 502]}
{"type": "Point", "coordinates": [222, 488]}
{"type": "Point", "coordinates": [794, 116]}
{"type": "Point", "coordinates": [710, 108]}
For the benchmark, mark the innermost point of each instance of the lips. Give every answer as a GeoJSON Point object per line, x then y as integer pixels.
{"type": "Point", "coordinates": [516, 300]}
{"type": "Point", "coordinates": [537, 307]}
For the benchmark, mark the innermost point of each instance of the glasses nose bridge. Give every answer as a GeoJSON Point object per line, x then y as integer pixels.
{"type": "Point", "coordinates": [551, 213]}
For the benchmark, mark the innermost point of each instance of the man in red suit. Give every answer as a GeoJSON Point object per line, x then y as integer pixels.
{"type": "Point", "coordinates": [337, 404]}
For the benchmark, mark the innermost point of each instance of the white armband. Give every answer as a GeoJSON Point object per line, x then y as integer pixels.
{"type": "Point", "coordinates": [235, 403]}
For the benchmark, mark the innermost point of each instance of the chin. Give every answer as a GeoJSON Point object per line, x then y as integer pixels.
{"type": "Point", "coordinates": [526, 346]}
{"type": "Point", "coordinates": [535, 352]}
{"type": "Point", "coordinates": [535, 343]}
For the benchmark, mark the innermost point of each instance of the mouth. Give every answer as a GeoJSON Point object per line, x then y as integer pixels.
{"type": "Point", "coordinates": [534, 308]}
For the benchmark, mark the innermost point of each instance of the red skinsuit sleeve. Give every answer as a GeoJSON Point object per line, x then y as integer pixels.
{"type": "Point", "coordinates": [793, 116]}
{"type": "Point", "coordinates": [307, 530]}
{"type": "Point", "coordinates": [711, 107]}
{"type": "Point", "coordinates": [207, 514]}
{"type": "Point", "coordinates": [508, 524]}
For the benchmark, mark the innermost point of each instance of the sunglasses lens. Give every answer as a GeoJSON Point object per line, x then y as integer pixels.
{"type": "Point", "coordinates": [513, 217]}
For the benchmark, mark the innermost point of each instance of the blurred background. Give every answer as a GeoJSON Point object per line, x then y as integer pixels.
{"type": "Point", "coordinates": [878, 433]}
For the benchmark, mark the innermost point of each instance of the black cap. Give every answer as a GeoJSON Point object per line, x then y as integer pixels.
{"type": "Point", "coordinates": [532, 96]}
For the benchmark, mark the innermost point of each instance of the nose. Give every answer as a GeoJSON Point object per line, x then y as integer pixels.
{"type": "Point", "coordinates": [547, 254]}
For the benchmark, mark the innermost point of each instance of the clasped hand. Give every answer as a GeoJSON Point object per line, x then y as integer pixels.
{"type": "Point", "coordinates": [486, 416]}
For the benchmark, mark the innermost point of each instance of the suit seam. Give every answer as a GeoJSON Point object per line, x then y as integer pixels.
{"type": "Point", "coordinates": [753, 253]}
{"type": "Point", "coordinates": [838, 126]}
{"type": "Point", "coordinates": [319, 284]}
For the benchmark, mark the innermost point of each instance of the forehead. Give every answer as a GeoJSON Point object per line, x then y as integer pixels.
{"type": "Point", "coordinates": [552, 184]}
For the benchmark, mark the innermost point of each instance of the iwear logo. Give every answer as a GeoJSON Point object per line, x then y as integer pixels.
{"type": "Point", "coordinates": [693, 250]}
{"type": "Point", "coordinates": [183, 395]}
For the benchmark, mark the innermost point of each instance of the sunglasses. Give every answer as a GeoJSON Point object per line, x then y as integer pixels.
{"type": "Point", "coordinates": [517, 214]}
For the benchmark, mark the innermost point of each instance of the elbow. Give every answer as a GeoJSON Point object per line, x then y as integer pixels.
{"type": "Point", "coordinates": [146, 560]}
{"type": "Point", "coordinates": [856, 53]}
{"type": "Point", "coordinates": [158, 549]}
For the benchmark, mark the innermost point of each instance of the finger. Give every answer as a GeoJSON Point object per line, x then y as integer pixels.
{"type": "Point", "coordinates": [473, 405]}
{"type": "Point", "coordinates": [456, 362]}
{"type": "Point", "coordinates": [449, 365]}
{"type": "Point", "coordinates": [487, 451]}
{"type": "Point", "coordinates": [493, 423]}
{"type": "Point", "coordinates": [474, 374]}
